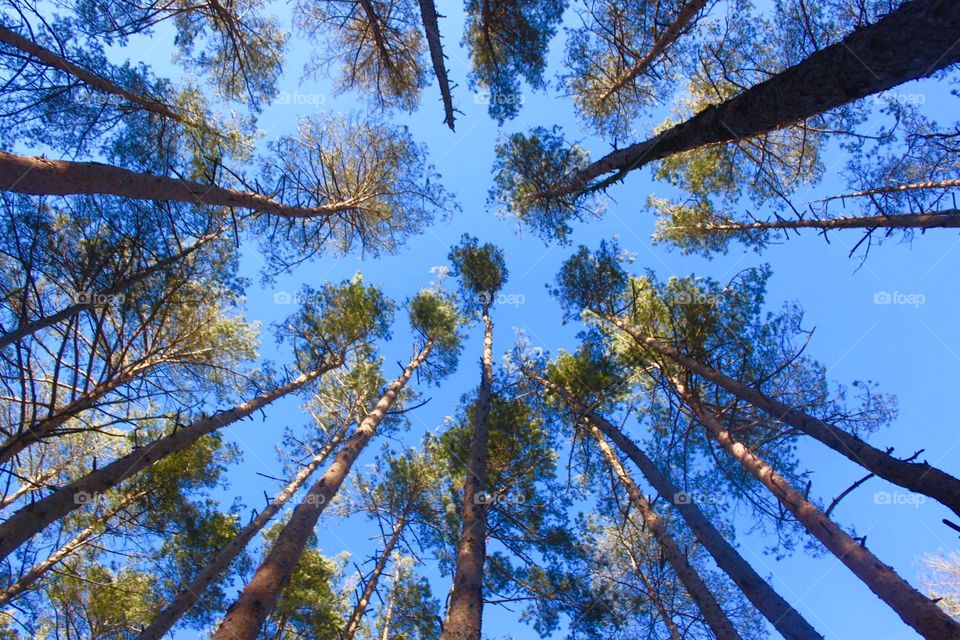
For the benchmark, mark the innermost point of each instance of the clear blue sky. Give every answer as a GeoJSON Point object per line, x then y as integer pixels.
{"type": "Point", "coordinates": [911, 351]}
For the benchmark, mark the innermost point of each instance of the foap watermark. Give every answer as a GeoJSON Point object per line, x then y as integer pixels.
{"type": "Point", "coordinates": [286, 297]}
{"type": "Point", "coordinates": [916, 99]}
{"type": "Point", "coordinates": [697, 497]}
{"type": "Point", "coordinates": [85, 497]}
{"type": "Point", "coordinates": [899, 297]}
{"type": "Point", "coordinates": [300, 98]}
{"type": "Point", "coordinates": [489, 499]}
{"type": "Point", "coordinates": [94, 298]}
{"type": "Point", "coordinates": [692, 297]}
{"type": "Point", "coordinates": [501, 299]}
{"type": "Point", "coordinates": [488, 99]}
{"type": "Point", "coordinates": [315, 500]}
{"type": "Point", "coordinates": [899, 498]}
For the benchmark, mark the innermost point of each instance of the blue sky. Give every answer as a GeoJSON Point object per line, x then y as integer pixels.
{"type": "Point", "coordinates": [911, 350]}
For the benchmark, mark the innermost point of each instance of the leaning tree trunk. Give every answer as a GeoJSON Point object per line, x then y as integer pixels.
{"type": "Point", "coordinates": [83, 538]}
{"type": "Point", "coordinates": [912, 42]}
{"type": "Point", "coordinates": [666, 40]}
{"type": "Point", "coordinates": [191, 593]}
{"type": "Point", "coordinates": [697, 589]}
{"type": "Point", "coordinates": [29, 328]}
{"type": "Point", "coordinates": [784, 618]}
{"type": "Point", "coordinates": [356, 616]}
{"type": "Point", "coordinates": [931, 220]}
{"type": "Point", "coordinates": [36, 516]}
{"type": "Point", "coordinates": [41, 176]}
{"type": "Point", "coordinates": [464, 614]}
{"type": "Point", "coordinates": [246, 616]}
{"type": "Point", "coordinates": [51, 59]}
{"type": "Point", "coordinates": [915, 476]}
{"type": "Point", "coordinates": [431, 27]}
{"type": "Point", "coordinates": [917, 610]}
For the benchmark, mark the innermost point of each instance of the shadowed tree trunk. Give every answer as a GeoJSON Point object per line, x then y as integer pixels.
{"type": "Point", "coordinates": [696, 588]}
{"type": "Point", "coordinates": [191, 593]}
{"type": "Point", "coordinates": [36, 516]}
{"type": "Point", "coordinates": [919, 477]}
{"type": "Point", "coordinates": [784, 618]}
{"type": "Point", "coordinates": [914, 608]}
{"type": "Point", "coordinates": [931, 220]}
{"type": "Point", "coordinates": [40, 176]}
{"type": "Point", "coordinates": [464, 615]}
{"type": "Point", "coordinates": [246, 616]}
{"type": "Point", "coordinates": [431, 27]}
{"type": "Point", "coordinates": [912, 42]}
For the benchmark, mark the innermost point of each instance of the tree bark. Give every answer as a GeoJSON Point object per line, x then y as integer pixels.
{"type": "Point", "coordinates": [918, 611]}
{"type": "Point", "coordinates": [932, 220]}
{"type": "Point", "coordinates": [784, 618]}
{"type": "Point", "coordinates": [464, 614]}
{"type": "Point", "coordinates": [666, 39]}
{"type": "Point", "coordinates": [696, 588]}
{"type": "Point", "coordinates": [356, 616]}
{"type": "Point", "coordinates": [431, 27]}
{"type": "Point", "coordinates": [246, 616]}
{"type": "Point", "coordinates": [912, 42]}
{"type": "Point", "coordinates": [36, 516]}
{"type": "Point", "coordinates": [919, 477]}
{"type": "Point", "coordinates": [29, 328]}
{"type": "Point", "coordinates": [40, 176]}
{"type": "Point", "coordinates": [190, 594]}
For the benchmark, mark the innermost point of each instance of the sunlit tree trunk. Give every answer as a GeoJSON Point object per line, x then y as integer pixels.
{"type": "Point", "coordinates": [464, 615]}
{"type": "Point", "coordinates": [356, 616]}
{"type": "Point", "coordinates": [36, 516]}
{"type": "Point", "coordinates": [246, 616]}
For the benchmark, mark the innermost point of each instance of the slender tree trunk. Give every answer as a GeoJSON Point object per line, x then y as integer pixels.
{"type": "Point", "coordinates": [464, 615]}
{"type": "Point", "coordinates": [898, 188]}
{"type": "Point", "coordinates": [666, 39]}
{"type": "Point", "coordinates": [915, 476]}
{"type": "Point", "coordinates": [431, 27]}
{"type": "Point", "coordinates": [388, 615]}
{"type": "Point", "coordinates": [32, 326]}
{"type": "Point", "coordinates": [41, 176]}
{"type": "Point", "coordinates": [914, 608]}
{"type": "Point", "coordinates": [651, 589]}
{"type": "Point", "coordinates": [36, 516]}
{"type": "Point", "coordinates": [190, 594]}
{"type": "Point", "coordinates": [78, 541]}
{"type": "Point", "coordinates": [356, 616]}
{"type": "Point", "coordinates": [697, 589]}
{"type": "Point", "coordinates": [784, 618]}
{"type": "Point", "coordinates": [912, 42]}
{"type": "Point", "coordinates": [932, 220]}
{"type": "Point", "coordinates": [246, 616]}
{"type": "Point", "coordinates": [100, 83]}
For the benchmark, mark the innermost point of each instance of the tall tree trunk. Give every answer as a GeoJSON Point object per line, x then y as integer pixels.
{"type": "Point", "coordinates": [464, 615]}
{"type": "Point", "coordinates": [246, 616]}
{"type": "Point", "coordinates": [666, 39]}
{"type": "Point", "coordinates": [699, 592]}
{"type": "Point", "coordinates": [41, 176]}
{"type": "Point", "coordinates": [912, 42]}
{"type": "Point", "coordinates": [898, 188]}
{"type": "Point", "coordinates": [51, 59]}
{"type": "Point", "coordinates": [191, 593]}
{"type": "Point", "coordinates": [914, 608]}
{"type": "Point", "coordinates": [784, 618]}
{"type": "Point", "coordinates": [431, 27]}
{"type": "Point", "coordinates": [36, 516]}
{"type": "Point", "coordinates": [32, 326]}
{"type": "Point", "coordinates": [356, 616]}
{"type": "Point", "coordinates": [915, 476]}
{"type": "Point", "coordinates": [388, 615]}
{"type": "Point", "coordinates": [654, 596]}
{"type": "Point", "coordinates": [931, 220]}
{"type": "Point", "coordinates": [84, 537]}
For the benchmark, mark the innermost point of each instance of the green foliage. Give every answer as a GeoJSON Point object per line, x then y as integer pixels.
{"type": "Point", "coordinates": [482, 271]}
{"type": "Point", "coordinates": [591, 280]}
{"type": "Point", "coordinates": [415, 610]}
{"type": "Point", "coordinates": [531, 177]}
{"type": "Point", "coordinates": [434, 316]}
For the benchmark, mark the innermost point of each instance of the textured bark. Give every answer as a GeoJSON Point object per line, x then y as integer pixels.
{"type": "Point", "coordinates": [898, 188]}
{"type": "Point", "coordinates": [666, 39]}
{"type": "Point", "coordinates": [40, 176]}
{"type": "Point", "coordinates": [356, 616]}
{"type": "Point", "coordinates": [932, 220]}
{"type": "Point", "coordinates": [100, 83]}
{"type": "Point", "coordinates": [84, 537]}
{"type": "Point", "coordinates": [696, 588]}
{"type": "Point", "coordinates": [246, 616]}
{"type": "Point", "coordinates": [919, 477]}
{"type": "Point", "coordinates": [29, 328]}
{"type": "Point", "coordinates": [431, 27]}
{"type": "Point", "coordinates": [36, 516]}
{"type": "Point", "coordinates": [912, 42]}
{"type": "Point", "coordinates": [784, 618]}
{"type": "Point", "coordinates": [190, 594]}
{"type": "Point", "coordinates": [917, 610]}
{"type": "Point", "coordinates": [464, 614]}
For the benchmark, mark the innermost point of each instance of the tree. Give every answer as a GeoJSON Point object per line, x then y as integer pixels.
{"type": "Point", "coordinates": [431, 27]}
{"type": "Point", "coordinates": [246, 616]}
{"type": "Point", "coordinates": [830, 78]}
